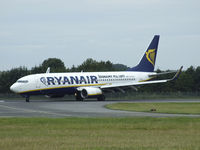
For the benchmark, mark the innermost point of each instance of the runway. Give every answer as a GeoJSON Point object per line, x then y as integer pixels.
{"type": "Point", "coordinates": [58, 109]}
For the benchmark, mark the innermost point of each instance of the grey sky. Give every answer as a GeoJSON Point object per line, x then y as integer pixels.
{"type": "Point", "coordinates": [116, 30]}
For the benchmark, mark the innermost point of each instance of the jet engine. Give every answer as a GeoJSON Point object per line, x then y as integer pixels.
{"type": "Point", "coordinates": [89, 92]}
{"type": "Point", "coordinates": [86, 92]}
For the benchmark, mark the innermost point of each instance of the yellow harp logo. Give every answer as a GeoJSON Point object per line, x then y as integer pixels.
{"type": "Point", "coordinates": [150, 55]}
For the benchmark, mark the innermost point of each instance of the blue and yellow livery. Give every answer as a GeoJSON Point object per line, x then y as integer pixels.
{"type": "Point", "coordinates": [148, 61]}
{"type": "Point", "coordinates": [91, 84]}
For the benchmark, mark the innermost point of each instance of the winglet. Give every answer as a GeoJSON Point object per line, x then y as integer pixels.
{"type": "Point", "coordinates": [177, 74]}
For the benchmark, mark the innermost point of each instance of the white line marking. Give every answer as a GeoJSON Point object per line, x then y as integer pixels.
{"type": "Point", "coordinates": [35, 111]}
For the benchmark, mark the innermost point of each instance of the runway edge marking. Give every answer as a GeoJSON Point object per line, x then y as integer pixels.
{"type": "Point", "coordinates": [34, 111]}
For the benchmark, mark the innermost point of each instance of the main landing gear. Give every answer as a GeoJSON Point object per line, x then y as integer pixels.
{"type": "Point", "coordinates": [27, 98]}
{"type": "Point", "coordinates": [78, 96]}
{"type": "Point", "coordinates": [101, 98]}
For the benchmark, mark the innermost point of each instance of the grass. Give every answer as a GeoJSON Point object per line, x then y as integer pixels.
{"type": "Point", "coordinates": [174, 108]}
{"type": "Point", "coordinates": [153, 95]}
{"type": "Point", "coordinates": [100, 134]}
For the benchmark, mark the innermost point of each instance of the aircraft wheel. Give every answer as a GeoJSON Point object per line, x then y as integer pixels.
{"type": "Point", "coordinates": [78, 96]}
{"type": "Point", "coordinates": [101, 98]}
{"type": "Point", "coordinates": [27, 99]}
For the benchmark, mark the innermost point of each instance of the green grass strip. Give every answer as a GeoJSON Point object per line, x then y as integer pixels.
{"type": "Point", "coordinates": [172, 108]}
{"type": "Point", "coordinates": [100, 134]}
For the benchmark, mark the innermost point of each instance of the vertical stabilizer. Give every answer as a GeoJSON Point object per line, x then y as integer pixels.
{"type": "Point", "coordinates": [147, 62]}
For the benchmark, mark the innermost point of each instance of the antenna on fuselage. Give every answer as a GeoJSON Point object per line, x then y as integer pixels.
{"type": "Point", "coordinates": [48, 70]}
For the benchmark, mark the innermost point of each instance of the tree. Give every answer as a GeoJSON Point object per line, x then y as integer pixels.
{"type": "Point", "coordinates": [91, 65]}
{"type": "Point", "coordinates": [189, 80]}
{"type": "Point", "coordinates": [7, 78]}
{"type": "Point", "coordinates": [197, 79]}
{"type": "Point", "coordinates": [120, 67]}
{"type": "Point", "coordinates": [55, 64]}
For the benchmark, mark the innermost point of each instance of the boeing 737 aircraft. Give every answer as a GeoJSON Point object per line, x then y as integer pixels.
{"type": "Point", "coordinates": [91, 84]}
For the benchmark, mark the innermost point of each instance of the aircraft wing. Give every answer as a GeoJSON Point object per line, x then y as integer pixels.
{"type": "Point", "coordinates": [142, 83]}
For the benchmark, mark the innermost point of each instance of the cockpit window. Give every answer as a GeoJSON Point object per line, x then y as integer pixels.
{"type": "Point", "coordinates": [22, 81]}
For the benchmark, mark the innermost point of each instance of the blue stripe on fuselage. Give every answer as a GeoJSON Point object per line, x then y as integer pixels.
{"type": "Point", "coordinates": [64, 90]}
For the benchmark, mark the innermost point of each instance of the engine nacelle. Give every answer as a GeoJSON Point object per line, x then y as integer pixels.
{"type": "Point", "coordinates": [86, 92]}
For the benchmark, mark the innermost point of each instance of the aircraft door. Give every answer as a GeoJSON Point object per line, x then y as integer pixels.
{"type": "Point", "coordinates": [38, 83]}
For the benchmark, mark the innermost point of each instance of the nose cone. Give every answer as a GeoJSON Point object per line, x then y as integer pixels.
{"type": "Point", "coordinates": [13, 88]}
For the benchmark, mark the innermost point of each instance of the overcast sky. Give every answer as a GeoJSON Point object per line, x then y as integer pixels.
{"type": "Point", "coordinates": [116, 30]}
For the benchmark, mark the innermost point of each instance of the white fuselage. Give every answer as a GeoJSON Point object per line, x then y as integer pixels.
{"type": "Point", "coordinates": [68, 82]}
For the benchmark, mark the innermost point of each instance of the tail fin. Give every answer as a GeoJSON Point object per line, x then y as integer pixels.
{"type": "Point", "coordinates": [148, 60]}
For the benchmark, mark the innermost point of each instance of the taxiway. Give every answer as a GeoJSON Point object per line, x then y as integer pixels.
{"type": "Point", "coordinates": [52, 109]}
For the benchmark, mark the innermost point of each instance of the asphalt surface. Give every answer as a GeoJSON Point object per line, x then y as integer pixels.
{"type": "Point", "coordinates": [59, 109]}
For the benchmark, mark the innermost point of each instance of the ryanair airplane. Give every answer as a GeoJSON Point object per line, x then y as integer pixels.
{"type": "Point", "coordinates": [92, 84]}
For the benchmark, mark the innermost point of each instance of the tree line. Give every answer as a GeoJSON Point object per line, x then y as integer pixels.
{"type": "Point", "coordinates": [189, 80]}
